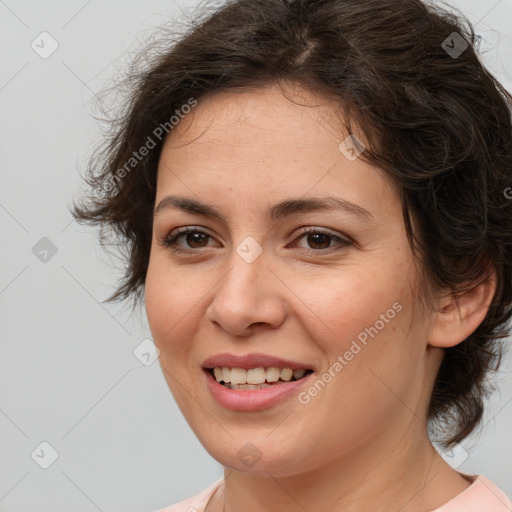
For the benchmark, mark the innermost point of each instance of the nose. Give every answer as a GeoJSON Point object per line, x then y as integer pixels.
{"type": "Point", "coordinates": [248, 298]}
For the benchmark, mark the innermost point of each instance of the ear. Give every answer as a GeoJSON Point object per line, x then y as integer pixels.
{"type": "Point", "coordinates": [458, 316]}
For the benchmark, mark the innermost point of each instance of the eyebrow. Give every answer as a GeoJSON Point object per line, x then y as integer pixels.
{"type": "Point", "coordinates": [276, 212]}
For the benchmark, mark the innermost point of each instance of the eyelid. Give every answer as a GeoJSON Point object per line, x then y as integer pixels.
{"type": "Point", "coordinates": [169, 239]}
{"type": "Point", "coordinates": [326, 231]}
{"type": "Point", "coordinates": [343, 241]}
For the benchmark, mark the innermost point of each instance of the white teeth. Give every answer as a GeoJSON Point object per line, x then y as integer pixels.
{"type": "Point", "coordinates": [286, 374]}
{"type": "Point", "coordinates": [298, 374]}
{"type": "Point", "coordinates": [226, 375]}
{"type": "Point", "coordinates": [258, 377]}
{"type": "Point", "coordinates": [238, 376]}
{"type": "Point", "coordinates": [273, 374]}
{"type": "Point", "coordinates": [248, 386]}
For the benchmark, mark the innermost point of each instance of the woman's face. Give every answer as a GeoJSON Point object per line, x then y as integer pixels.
{"type": "Point", "coordinates": [250, 283]}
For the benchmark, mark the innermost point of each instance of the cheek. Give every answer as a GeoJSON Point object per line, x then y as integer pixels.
{"type": "Point", "coordinates": [346, 304]}
{"type": "Point", "coordinates": [169, 307]}
{"type": "Point", "coordinates": [361, 323]}
{"type": "Point", "coordinates": [170, 318]}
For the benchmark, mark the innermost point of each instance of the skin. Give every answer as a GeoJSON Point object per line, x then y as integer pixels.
{"type": "Point", "coordinates": [361, 443]}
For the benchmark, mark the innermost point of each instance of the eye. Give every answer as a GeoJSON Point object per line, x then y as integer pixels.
{"type": "Point", "coordinates": [194, 237]}
{"type": "Point", "coordinates": [319, 240]}
{"type": "Point", "coordinates": [320, 237]}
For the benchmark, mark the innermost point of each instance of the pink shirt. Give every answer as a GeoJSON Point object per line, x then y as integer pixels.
{"type": "Point", "coordinates": [481, 496]}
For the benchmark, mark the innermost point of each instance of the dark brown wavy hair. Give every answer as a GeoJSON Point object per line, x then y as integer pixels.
{"type": "Point", "coordinates": [436, 121]}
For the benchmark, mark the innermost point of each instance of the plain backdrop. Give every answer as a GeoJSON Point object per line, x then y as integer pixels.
{"type": "Point", "coordinates": [85, 423]}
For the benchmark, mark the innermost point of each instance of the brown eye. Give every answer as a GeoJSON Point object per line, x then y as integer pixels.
{"type": "Point", "coordinates": [319, 240]}
{"type": "Point", "coordinates": [194, 239]}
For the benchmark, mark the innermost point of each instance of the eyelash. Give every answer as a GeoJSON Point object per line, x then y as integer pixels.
{"type": "Point", "coordinates": [170, 241]}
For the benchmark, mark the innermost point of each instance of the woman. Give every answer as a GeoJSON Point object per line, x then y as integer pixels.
{"type": "Point", "coordinates": [314, 198]}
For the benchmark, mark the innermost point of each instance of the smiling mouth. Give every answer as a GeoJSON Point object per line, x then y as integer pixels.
{"type": "Point", "coordinates": [256, 378]}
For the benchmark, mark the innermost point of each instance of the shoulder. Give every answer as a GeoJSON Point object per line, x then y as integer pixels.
{"type": "Point", "coordinates": [196, 503]}
{"type": "Point", "coordinates": [482, 494]}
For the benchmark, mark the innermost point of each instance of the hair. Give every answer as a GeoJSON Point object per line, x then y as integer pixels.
{"type": "Point", "coordinates": [438, 124]}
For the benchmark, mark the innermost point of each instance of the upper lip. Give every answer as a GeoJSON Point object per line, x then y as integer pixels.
{"type": "Point", "coordinates": [249, 361]}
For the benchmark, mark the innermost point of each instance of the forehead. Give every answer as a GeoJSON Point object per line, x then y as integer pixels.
{"type": "Point", "coordinates": [269, 115]}
{"type": "Point", "coordinates": [266, 143]}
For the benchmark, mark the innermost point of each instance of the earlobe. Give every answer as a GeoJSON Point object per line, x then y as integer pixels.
{"type": "Point", "coordinates": [459, 315]}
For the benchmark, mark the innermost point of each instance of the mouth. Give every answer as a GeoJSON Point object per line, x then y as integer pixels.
{"type": "Point", "coordinates": [255, 378]}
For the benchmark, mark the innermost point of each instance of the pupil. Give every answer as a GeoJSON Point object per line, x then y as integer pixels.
{"type": "Point", "coordinates": [195, 235]}
{"type": "Point", "coordinates": [326, 237]}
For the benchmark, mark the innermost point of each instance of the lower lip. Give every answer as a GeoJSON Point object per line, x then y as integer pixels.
{"type": "Point", "coordinates": [252, 399]}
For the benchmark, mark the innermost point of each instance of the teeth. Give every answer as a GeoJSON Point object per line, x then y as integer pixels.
{"type": "Point", "coordinates": [255, 378]}
{"type": "Point", "coordinates": [248, 386]}
{"type": "Point", "coordinates": [226, 375]}
{"type": "Point", "coordinates": [298, 374]}
{"type": "Point", "coordinates": [273, 374]}
{"type": "Point", "coordinates": [286, 374]}
{"type": "Point", "coordinates": [238, 376]}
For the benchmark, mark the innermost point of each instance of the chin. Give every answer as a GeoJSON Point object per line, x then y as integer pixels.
{"type": "Point", "coordinates": [256, 455]}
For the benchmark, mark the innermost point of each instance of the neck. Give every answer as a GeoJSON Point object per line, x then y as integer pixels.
{"type": "Point", "coordinates": [390, 476]}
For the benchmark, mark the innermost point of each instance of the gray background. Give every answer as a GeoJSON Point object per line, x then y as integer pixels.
{"type": "Point", "coordinates": [68, 373]}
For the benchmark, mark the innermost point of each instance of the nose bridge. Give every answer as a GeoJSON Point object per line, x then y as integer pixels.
{"type": "Point", "coordinates": [244, 295]}
{"type": "Point", "coordinates": [247, 264]}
